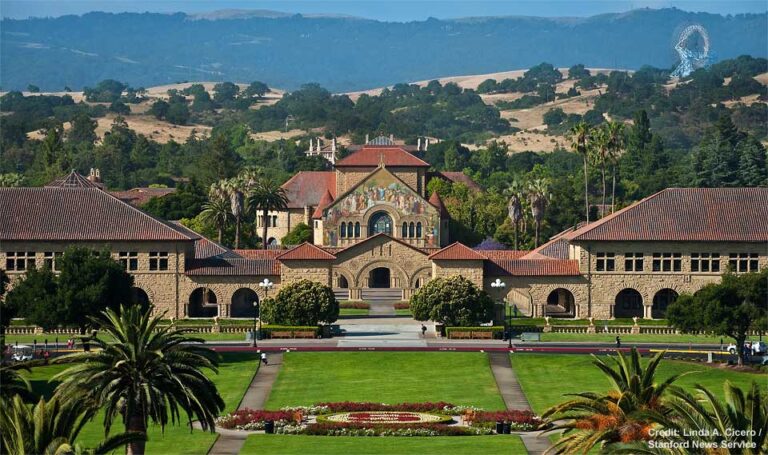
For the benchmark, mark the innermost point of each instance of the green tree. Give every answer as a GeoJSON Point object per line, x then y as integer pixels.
{"type": "Point", "coordinates": [256, 90]}
{"type": "Point", "coordinates": [730, 308]}
{"type": "Point", "coordinates": [302, 302]}
{"type": "Point", "coordinates": [51, 427]}
{"type": "Point", "coordinates": [615, 137]}
{"type": "Point", "coordinates": [219, 160]}
{"type": "Point", "coordinates": [217, 211]}
{"type": "Point", "coordinates": [225, 92]}
{"type": "Point", "coordinates": [538, 197]}
{"type": "Point", "coordinates": [267, 195]}
{"type": "Point", "coordinates": [454, 301]}
{"type": "Point", "coordinates": [159, 109]}
{"type": "Point", "coordinates": [119, 107]}
{"type": "Point", "coordinates": [141, 372]}
{"type": "Point", "coordinates": [600, 149]}
{"type": "Point", "coordinates": [178, 113]}
{"type": "Point", "coordinates": [7, 312]}
{"type": "Point", "coordinates": [753, 169]}
{"type": "Point", "coordinates": [515, 206]}
{"type": "Point", "coordinates": [579, 135]}
{"type": "Point", "coordinates": [83, 129]}
{"type": "Point", "coordinates": [34, 297]}
{"type": "Point", "coordinates": [33, 88]}
{"type": "Point", "coordinates": [299, 234]}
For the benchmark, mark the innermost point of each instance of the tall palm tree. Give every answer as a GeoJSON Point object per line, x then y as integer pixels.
{"type": "Point", "coordinates": [515, 206]}
{"type": "Point", "coordinates": [616, 139]}
{"type": "Point", "coordinates": [538, 197]}
{"type": "Point", "coordinates": [216, 211]}
{"type": "Point", "coordinates": [250, 177]}
{"type": "Point", "coordinates": [579, 136]}
{"type": "Point", "coordinates": [12, 383]}
{"type": "Point", "coordinates": [51, 428]}
{"type": "Point", "coordinates": [267, 196]}
{"type": "Point", "coordinates": [619, 416]}
{"type": "Point", "coordinates": [599, 149]}
{"type": "Point", "coordinates": [142, 371]}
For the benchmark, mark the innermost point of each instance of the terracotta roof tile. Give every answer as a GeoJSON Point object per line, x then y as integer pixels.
{"type": "Point", "coordinates": [373, 155]}
{"type": "Point", "coordinates": [54, 213]}
{"type": "Point", "coordinates": [259, 254]}
{"type": "Point", "coordinates": [140, 196]}
{"type": "Point", "coordinates": [306, 251]}
{"type": "Point", "coordinates": [687, 214]}
{"type": "Point", "coordinates": [503, 254]}
{"type": "Point", "coordinates": [326, 200]}
{"type": "Point", "coordinates": [531, 267]}
{"type": "Point", "coordinates": [219, 266]}
{"type": "Point", "coordinates": [308, 187]}
{"type": "Point", "coordinates": [456, 252]}
{"type": "Point", "coordinates": [424, 250]}
{"type": "Point", "coordinates": [557, 248]}
{"type": "Point", "coordinates": [438, 204]}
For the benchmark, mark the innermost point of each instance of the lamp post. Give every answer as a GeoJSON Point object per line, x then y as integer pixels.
{"type": "Point", "coordinates": [266, 285]}
{"type": "Point", "coordinates": [255, 317]}
{"type": "Point", "coordinates": [498, 284]}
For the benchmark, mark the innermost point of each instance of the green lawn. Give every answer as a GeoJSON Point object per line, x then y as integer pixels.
{"type": "Point", "coordinates": [388, 377]}
{"type": "Point", "coordinates": [545, 378]}
{"type": "Point", "coordinates": [335, 445]}
{"type": "Point", "coordinates": [235, 374]}
{"type": "Point", "coordinates": [404, 312]}
{"type": "Point", "coordinates": [353, 312]}
{"type": "Point", "coordinates": [29, 339]}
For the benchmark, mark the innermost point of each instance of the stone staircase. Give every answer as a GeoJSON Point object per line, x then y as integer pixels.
{"type": "Point", "coordinates": [381, 295]}
{"type": "Point", "coordinates": [341, 294]}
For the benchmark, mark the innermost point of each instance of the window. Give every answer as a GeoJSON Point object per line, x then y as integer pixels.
{"type": "Point", "coordinates": [317, 224]}
{"type": "Point", "coordinates": [705, 262]}
{"type": "Point", "coordinates": [418, 229]}
{"type": "Point", "coordinates": [129, 260]}
{"type": "Point", "coordinates": [405, 230]}
{"type": "Point", "coordinates": [667, 262]}
{"type": "Point", "coordinates": [158, 260]}
{"type": "Point", "coordinates": [606, 262]}
{"type": "Point", "coordinates": [50, 258]}
{"type": "Point", "coordinates": [633, 262]}
{"type": "Point", "coordinates": [20, 260]}
{"type": "Point", "coordinates": [274, 220]}
{"type": "Point", "coordinates": [743, 262]}
{"type": "Point", "coordinates": [350, 232]}
{"type": "Point", "coordinates": [411, 230]}
{"type": "Point", "coordinates": [343, 230]}
{"type": "Point", "coordinates": [357, 229]}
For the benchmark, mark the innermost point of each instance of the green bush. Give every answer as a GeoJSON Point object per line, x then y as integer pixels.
{"type": "Point", "coordinates": [298, 235]}
{"type": "Point", "coordinates": [302, 303]}
{"type": "Point", "coordinates": [267, 329]}
{"type": "Point", "coordinates": [497, 330]}
{"type": "Point", "coordinates": [453, 301]}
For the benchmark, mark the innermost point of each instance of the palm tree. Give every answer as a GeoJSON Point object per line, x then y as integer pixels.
{"type": "Point", "coordinates": [12, 383]}
{"type": "Point", "coordinates": [616, 417]}
{"type": "Point", "coordinates": [579, 135]}
{"type": "Point", "coordinates": [142, 371]}
{"type": "Point", "coordinates": [615, 133]}
{"type": "Point", "coordinates": [515, 206]}
{"type": "Point", "coordinates": [234, 189]}
{"type": "Point", "coordinates": [249, 177]}
{"type": "Point", "coordinates": [216, 211]}
{"type": "Point", "coordinates": [538, 196]}
{"type": "Point", "coordinates": [599, 148]}
{"type": "Point", "coordinates": [51, 428]}
{"type": "Point", "coordinates": [267, 195]}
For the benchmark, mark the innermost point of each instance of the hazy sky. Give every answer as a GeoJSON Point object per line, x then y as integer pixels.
{"type": "Point", "coordinates": [392, 10]}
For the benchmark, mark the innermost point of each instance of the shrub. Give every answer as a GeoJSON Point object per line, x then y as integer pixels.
{"type": "Point", "coordinates": [299, 234]}
{"type": "Point", "coordinates": [497, 330]}
{"type": "Point", "coordinates": [403, 306]}
{"type": "Point", "coordinates": [267, 329]}
{"type": "Point", "coordinates": [453, 301]}
{"type": "Point", "coordinates": [250, 419]}
{"type": "Point", "coordinates": [301, 303]}
{"type": "Point", "coordinates": [522, 420]}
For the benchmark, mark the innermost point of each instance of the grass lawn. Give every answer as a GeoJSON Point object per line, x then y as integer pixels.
{"type": "Point", "coordinates": [639, 338]}
{"type": "Point", "coordinates": [29, 339]}
{"type": "Point", "coordinates": [235, 373]}
{"type": "Point", "coordinates": [546, 378]}
{"type": "Point", "coordinates": [353, 312]}
{"type": "Point", "coordinates": [385, 377]}
{"type": "Point", "coordinates": [334, 445]}
{"type": "Point", "coordinates": [405, 312]}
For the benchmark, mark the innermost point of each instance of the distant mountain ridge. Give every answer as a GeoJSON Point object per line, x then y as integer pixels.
{"type": "Point", "coordinates": [342, 53]}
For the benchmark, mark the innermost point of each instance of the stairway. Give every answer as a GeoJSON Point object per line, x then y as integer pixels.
{"type": "Point", "coordinates": [341, 294]}
{"type": "Point", "coordinates": [381, 295]}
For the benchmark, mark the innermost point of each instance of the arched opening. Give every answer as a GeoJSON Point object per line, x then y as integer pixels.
{"type": "Point", "coordinates": [350, 230]}
{"type": "Point", "coordinates": [561, 304]}
{"type": "Point", "coordinates": [418, 230]}
{"type": "Point", "coordinates": [411, 230]}
{"type": "Point", "coordinates": [343, 282]}
{"type": "Point", "coordinates": [202, 304]}
{"type": "Point", "coordinates": [242, 303]}
{"type": "Point", "coordinates": [272, 242]}
{"type": "Point", "coordinates": [661, 301]}
{"type": "Point", "coordinates": [629, 303]}
{"type": "Point", "coordinates": [379, 278]}
{"type": "Point", "coordinates": [343, 230]}
{"type": "Point", "coordinates": [140, 297]}
{"type": "Point", "coordinates": [380, 223]}
{"type": "Point", "coordinates": [357, 229]}
{"type": "Point", "coordinates": [405, 230]}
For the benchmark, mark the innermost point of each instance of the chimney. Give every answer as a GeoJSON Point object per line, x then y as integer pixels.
{"type": "Point", "coordinates": [392, 138]}
{"type": "Point", "coordinates": [94, 176]}
{"type": "Point", "coordinates": [333, 144]}
{"type": "Point", "coordinates": [418, 146]}
{"type": "Point", "coordinates": [426, 143]}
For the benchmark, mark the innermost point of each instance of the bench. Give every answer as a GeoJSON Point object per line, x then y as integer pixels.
{"type": "Point", "coordinates": [304, 334]}
{"type": "Point", "coordinates": [530, 336]}
{"type": "Point", "coordinates": [282, 335]}
{"type": "Point", "coordinates": [482, 335]}
{"type": "Point", "coordinates": [461, 335]}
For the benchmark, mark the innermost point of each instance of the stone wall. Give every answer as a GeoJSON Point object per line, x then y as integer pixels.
{"type": "Point", "coordinates": [286, 220]}
{"type": "Point", "coordinates": [296, 270]}
{"type": "Point", "coordinates": [224, 288]}
{"type": "Point", "coordinates": [470, 269]}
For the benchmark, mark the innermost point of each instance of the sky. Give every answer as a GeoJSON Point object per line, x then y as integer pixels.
{"type": "Point", "coordinates": [391, 10]}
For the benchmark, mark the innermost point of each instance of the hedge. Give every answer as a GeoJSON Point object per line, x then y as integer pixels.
{"type": "Point", "coordinates": [497, 330]}
{"type": "Point", "coordinates": [267, 329]}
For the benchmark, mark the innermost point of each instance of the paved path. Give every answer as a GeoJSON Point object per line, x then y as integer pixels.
{"type": "Point", "coordinates": [514, 398]}
{"type": "Point", "coordinates": [255, 397]}
{"type": "Point", "coordinates": [381, 309]}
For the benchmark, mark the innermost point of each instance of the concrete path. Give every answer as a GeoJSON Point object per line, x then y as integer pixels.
{"type": "Point", "coordinates": [255, 397]}
{"type": "Point", "coordinates": [381, 309]}
{"type": "Point", "coordinates": [514, 398]}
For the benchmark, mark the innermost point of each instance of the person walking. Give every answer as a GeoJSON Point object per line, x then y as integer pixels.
{"type": "Point", "coordinates": [423, 331]}
{"type": "Point", "coordinates": [264, 358]}
{"type": "Point", "coordinates": [618, 342]}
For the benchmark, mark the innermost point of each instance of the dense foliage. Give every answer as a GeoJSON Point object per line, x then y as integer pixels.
{"type": "Point", "coordinates": [302, 303]}
{"type": "Point", "coordinates": [454, 301]}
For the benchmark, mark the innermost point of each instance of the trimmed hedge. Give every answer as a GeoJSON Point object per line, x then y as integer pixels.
{"type": "Point", "coordinates": [355, 305]}
{"type": "Point", "coordinates": [497, 330]}
{"type": "Point", "coordinates": [267, 329]}
{"type": "Point", "coordinates": [444, 419]}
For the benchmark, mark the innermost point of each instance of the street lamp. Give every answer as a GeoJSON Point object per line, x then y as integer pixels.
{"type": "Point", "coordinates": [255, 317]}
{"type": "Point", "coordinates": [498, 284]}
{"type": "Point", "coordinates": [266, 285]}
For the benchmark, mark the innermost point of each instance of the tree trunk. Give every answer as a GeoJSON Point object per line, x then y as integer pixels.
{"type": "Point", "coordinates": [586, 188]}
{"type": "Point", "coordinates": [136, 423]}
{"type": "Point", "coordinates": [740, 340]}
{"type": "Point", "coordinates": [237, 233]}
{"type": "Point", "coordinates": [602, 208]}
{"type": "Point", "coordinates": [264, 230]}
{"type": "Point", "coordinates": [221, 235]}
{"type": "Point", "coordinates": [517, 232]}
{"type": "Point", "coordinates": [613, 191]}
{"type": "Point", "coordinates": [538, 224]}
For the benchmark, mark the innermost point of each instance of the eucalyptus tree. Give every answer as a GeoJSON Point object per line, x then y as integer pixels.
{"type": "Point", "coordinates": [599, 149]}
{"type": "Point", "coordinates": [616, 145]}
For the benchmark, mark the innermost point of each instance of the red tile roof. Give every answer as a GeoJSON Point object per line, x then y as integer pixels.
{"type": "Point", "coordinates": [503, 254]}
{"type": "Point", "coordinates": [371, 155]}
{"type": "Point", "coordinates": [325, 201]}
{"type": "Point", "coordinates": [456, 252]}
{"type": "Point", "coordinates": [73, 180]}
{"type": "Point", "coordinates": [259, 254]}
{"type": "Point", "coordinates": [687, 214]}
{"type": "Point", "coordinates": [140, 196]}
{"type": "Point", "coordinates": [54, 213]}
{"type": "Point", "coordinates": [424, 250]}
{"type": "Point", "coordinates": [308, 187]}
{"type": "Point", "coordinates": [218, 266]}
{"type": "Point", "coordinates": [438, 204]}
{"type": "Point", "coordinates": [532, 267]}
{"type": "Point", "coordinates": [306, 251]}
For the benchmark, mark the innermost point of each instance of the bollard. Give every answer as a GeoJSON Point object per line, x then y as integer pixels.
{"type": "Point", "coordinates": [507, 428]}
{"type": "Point", "coordinates": [499, 427]}
{"type": "Point", "coordinates": [709, 357]}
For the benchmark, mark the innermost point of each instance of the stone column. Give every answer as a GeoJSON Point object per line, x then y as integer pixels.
{"type": "Point", "coordinates": [355, 294]}
{"type": "Point", "coordinates": [647, 311]}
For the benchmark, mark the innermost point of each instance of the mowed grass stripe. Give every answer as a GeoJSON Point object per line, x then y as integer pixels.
{"type": "Point", "coordinates": [463, 378]}
{"type": "Point", "coordinates": [335, 445]}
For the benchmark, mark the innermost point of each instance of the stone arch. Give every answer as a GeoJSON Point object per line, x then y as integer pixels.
{"type": "Point", "coordinates": [381, 222]}
{"type": "Point", "coordinates": [393, 215]}
{"type": "Point", "coordinates": [561, 303]}
{"type": "Point", "coordinates": [395, 270]}
{"type": "Point", "coordinates": [141, 297]}
{"type": "Point", "coordinates": [203, 303]}
{"type": "Point", "coordinates": [241, 305]}
{"type": "Point", "coordinates": [340, 275]}
{"type": "Point", "coordinates": [661, 301]}
{"type": "Point", "coordinates": [628, 303]}
{"type": "Point", "coordinates": [421, 277]}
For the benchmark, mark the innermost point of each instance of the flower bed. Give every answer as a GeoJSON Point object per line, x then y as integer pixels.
{"type": "Point", "coordinates": [355, 305]}
{"type": "Point", "coordinates": [358, 429]}
{"type": "Point", "coordinates": [403, 306]}
{"type": "Point", "coordinates": [519, 420]}
{"type": "Point", "coordinates": [385, 417]}
{"type": "Point", "coordinates": [251, 420]}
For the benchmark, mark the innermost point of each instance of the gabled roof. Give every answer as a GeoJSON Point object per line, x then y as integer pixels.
{"type": "Point", "coordinates": [371, 156]}
{"type": "Point", "coordinates": [307, 188]}
{"type": "Point", "coordinates": [140, 196]}
{"type": "Point", "coordinates": [456, 177]}
{"type": "Point", "coordinates": [204, 247]}
{"type": "Point", "coordinates": [81, 213]}
{"type": "Point", "coordinates": [531, 267]}
{"type": "Point", "coordinates": [306, 251]}
{"type": "Point", "coordinates": [438, 204]}
{"type": "Point", "coordinates": [503, 254]}
{"type": "Point", "coordinates": [220, 266]}
{"type": "Point", "coordinates": [259, 254]}
{"type": "Point", "coordinates": [325, 201]}
{"type": "Point", "coordinates": [686, 214]}
{"type": "Point", "coordinates": [456, 252]}
{"type": "Point", "coordinates": [337, 252]}
{"type": "Point", "coordinates": [72, 180]}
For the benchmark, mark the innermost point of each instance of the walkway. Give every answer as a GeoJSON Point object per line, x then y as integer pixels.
{"type": "Point", "coordinates": [255, 398]}
{"type": "Point", "coordinates": [381, 332]}
{"type": "Point", "coordinates": [514, 398]}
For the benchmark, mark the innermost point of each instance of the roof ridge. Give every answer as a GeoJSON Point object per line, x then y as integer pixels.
{"type": "Point", "coordinates": [454, 245]}
{"type": "Point", "coordinates": [324, 256]}
{"type": "Point", "coordinates": [163, 223]}
{"type": "Point", "coordinates": [380, 234]}
{"type": "Point", "coordinates": [597, 223]}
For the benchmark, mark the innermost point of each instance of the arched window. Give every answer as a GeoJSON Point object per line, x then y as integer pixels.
{"type": "Point", "coordinates": [418, 229]}
{"type": "Point", "coordinates": [357, 229]}
{"type": "Point", "coordinates": [405, 230]}
{"type": "Point", "coordinates": [350, 230]}
{"type": "Point", "coordinates": [343, 230]}
{"type": "Point", "coordinates": [411, 231]}
{"type": "Point", "coordinates": [380, 223]}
